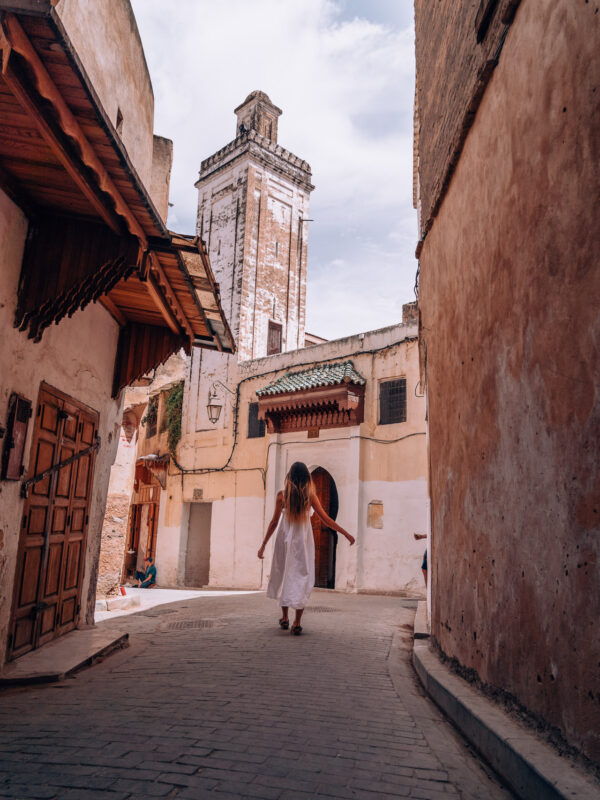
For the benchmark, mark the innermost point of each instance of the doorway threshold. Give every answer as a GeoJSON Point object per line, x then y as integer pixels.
{"type": "Point", "coordinates": [60, 658]}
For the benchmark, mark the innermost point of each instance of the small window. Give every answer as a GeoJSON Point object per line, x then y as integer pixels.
{"type": "Point", "coordinates": [256, 426]}
{"type": "Point", "coordinates": [276, 249]}
{"type": "Point", "coordinates": [274, 338]}
{"type": "Point", "coordinates": [392, 402]}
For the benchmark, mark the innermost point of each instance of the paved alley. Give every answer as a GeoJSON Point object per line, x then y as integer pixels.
{"type": "Point", "coordinates": [212, 699]}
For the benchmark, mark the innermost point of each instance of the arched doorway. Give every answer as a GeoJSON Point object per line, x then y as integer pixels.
{"type": "Point", "coordinates": [325, 538]}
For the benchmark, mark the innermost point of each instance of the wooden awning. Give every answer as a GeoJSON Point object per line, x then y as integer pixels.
{"type": "Point", "coordinates": [94, 233]}
{"type": "Point", "coordinates": [324, 396]}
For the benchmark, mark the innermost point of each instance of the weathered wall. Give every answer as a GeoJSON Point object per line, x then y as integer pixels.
{"type": "Point", "coordinates": [107, 40]}
{"type": "Point", "coordinates": [510, 299]}
{"type": "Point", "coordinates": [114, 526]}
{"type": "Point", "coordinates": [249, 219]}
{"type": "Point", "coordinates": [462, 66]}
{"type": "Point", "coordinates": [76, 357]}
{"type": "Point", "coordinates": [162, 161]}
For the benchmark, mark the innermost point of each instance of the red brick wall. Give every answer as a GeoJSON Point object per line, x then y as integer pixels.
{"type": "Point", "coordinates": [509, 301]}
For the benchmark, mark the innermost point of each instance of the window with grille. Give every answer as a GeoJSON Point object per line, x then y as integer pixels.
{"type": "Point", "coordinates": [392, 401]}
{"type": "Point", "coordinates": [256, 426]}
{"type": "Point", "coordinates": [274, 338]}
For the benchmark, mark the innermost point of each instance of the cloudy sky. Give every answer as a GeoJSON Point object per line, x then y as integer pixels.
{"type": "Point", "coordinates": [343, 73]}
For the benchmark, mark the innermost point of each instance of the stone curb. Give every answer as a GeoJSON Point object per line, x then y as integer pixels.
{"type": "Point", "coordinates": [421, 629]}
{"type": "Point", "coordinates": [531, 768]}
{"type": "Point", "coordinates": [52, 669]}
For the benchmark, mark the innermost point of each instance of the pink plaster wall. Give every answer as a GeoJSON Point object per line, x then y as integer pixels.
{"type": "Point", "coordinates": [510, 299]}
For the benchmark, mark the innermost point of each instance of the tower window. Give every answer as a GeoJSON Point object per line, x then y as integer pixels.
{"type": "Point", "coordinates": [392, 401]}
{"type": "Point", "coordinates": [276, 249]}
{"type": "Point", "coordinates": [274, 338]}
{"type": "Point", "coordinates": [256, 426]}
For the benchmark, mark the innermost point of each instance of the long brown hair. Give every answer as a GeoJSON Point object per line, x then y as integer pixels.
{"type": "Point", "coordinates": [297, 491]}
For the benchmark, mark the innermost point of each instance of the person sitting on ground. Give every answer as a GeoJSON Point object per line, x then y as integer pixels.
{"type": "Point", "coordinates": [147, 578]}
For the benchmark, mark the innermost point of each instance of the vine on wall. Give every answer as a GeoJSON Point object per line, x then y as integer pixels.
{"type": "Point", "coordinates": [151, 417]}
{"type": "Point", "coordinates": [173, 411]}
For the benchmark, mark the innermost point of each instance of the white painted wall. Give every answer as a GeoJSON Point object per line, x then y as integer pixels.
{"type": "Point", "coordinates": [171, 544]}
{"type": "Point", "coordinates": [390, 556]}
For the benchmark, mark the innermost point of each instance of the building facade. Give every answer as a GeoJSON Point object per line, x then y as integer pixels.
{"type": "Point", "coordinates": [94, 291]}
{"type": "Point", "coordinates": [509, 299]}
{"type": "Point", "coordinates": [350, 409]}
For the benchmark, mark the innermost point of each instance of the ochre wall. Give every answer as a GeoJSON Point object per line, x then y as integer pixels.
{"type": "Point", "coordinates": [107, 40]}
{"type": "Point", "coordinates": [510, 299]}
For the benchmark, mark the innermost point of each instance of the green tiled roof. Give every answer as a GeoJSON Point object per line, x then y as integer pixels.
{"type": "Point", "coordinates": [324, 375]}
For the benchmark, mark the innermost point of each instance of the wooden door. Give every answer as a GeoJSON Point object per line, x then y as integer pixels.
{"type": "Point", "coordinates": [323, 535]}
{"type": "Point", "coordinates": [51, 555]}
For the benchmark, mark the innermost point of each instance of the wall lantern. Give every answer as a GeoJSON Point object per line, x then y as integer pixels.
{"type": "Point", "coordinates": [215, 403]}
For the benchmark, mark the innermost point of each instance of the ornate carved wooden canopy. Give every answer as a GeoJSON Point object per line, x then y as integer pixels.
{"type": "Point", "coordinates": [325, 396]}
{"type": "Point", "coordinates": [94, 232]}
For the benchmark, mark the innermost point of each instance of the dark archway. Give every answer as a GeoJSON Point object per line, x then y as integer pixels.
{"type": "Point", "coordinates": [325, 538]}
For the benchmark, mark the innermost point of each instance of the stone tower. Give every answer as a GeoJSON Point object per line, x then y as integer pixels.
{"type": "Point", "coordinates": [253, 200]}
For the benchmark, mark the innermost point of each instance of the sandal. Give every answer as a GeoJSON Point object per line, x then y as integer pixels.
{"type": "Point", "coordinates": [284, 624]}
{"type": "Point", "coordinates": [296, 630]}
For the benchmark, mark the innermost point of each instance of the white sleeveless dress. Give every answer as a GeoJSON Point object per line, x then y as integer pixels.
{"type": "Point", "coordinates": [293, 566]}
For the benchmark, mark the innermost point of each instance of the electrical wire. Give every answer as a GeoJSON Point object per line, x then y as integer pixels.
{"type": "Point", "coordinates": [263, 470]}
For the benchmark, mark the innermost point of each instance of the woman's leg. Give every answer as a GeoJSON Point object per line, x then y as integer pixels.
{"type": "Point", "coordinates": [284, 613]}
{"type": "Point", "coordinates": [298, 617]}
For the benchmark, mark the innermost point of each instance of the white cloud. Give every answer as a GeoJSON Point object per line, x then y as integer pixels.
{"type": "Point", "coordinates": [346, 88]}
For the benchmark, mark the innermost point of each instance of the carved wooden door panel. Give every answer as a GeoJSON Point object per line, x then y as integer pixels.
{"type": "Point", "coordinates": [51, 554]}
{"type": "Point", "coordinates": [321, 481]}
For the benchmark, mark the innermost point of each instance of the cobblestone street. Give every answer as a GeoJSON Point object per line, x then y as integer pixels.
{"type": "Point", "coordinates": [212, 699]}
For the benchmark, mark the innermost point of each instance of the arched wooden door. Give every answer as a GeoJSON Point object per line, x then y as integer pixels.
{"type": "Point", "coordinates": [325, 538]}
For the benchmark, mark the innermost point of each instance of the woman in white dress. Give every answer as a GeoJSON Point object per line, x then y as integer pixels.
{"type": "Point", "coordinates": [293, 567]}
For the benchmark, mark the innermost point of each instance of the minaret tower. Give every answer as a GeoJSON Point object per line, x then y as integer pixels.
{"type": "Point", "coordinates": [253, 203]}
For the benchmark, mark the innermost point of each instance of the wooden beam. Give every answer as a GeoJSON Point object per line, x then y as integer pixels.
{"type": "Point", "coordinates": [161, 305]}
{"type": "Point", "coordinates": [113, 310]}
{"type": "Point", "coordinates": [12, 37]}
{"type": "Point", "coordinates": [170, 295]}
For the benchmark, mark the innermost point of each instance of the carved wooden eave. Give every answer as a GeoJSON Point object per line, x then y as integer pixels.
{"type": "Point", "coordinates": [319, 408]}
{"type": "Point", "coordinates": [94, 233]}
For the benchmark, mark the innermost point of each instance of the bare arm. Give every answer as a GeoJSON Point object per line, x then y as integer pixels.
{"type": "Point", "coordinates": [272, 524]}
{"type": "Point", "coordinates": [420, 536]}
{"type": "Point", "coordinates": [326, 520]}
